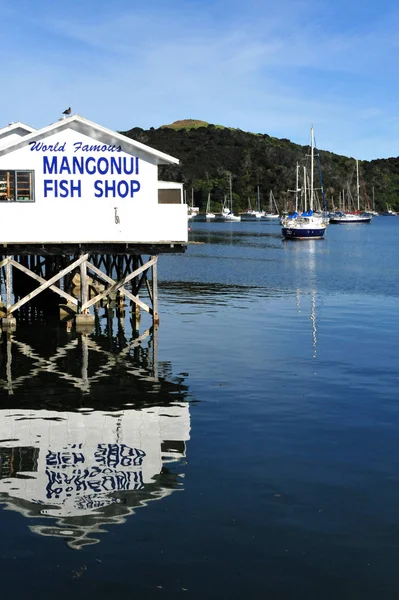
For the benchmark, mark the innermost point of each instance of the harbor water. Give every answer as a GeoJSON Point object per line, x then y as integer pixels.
{"type": "Point", "coordinates": [248, 447]}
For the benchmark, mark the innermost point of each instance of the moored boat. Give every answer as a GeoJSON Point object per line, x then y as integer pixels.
{"type": "Point", "coordinates": [227, 208]}
{"type": "Point", "coordinates": [389, 212]}
{"type": "Point", "coordinates": [347, 218]}
{"type": "Point", "coordinates": [352, 217]}
{"type": "Point", "coordinates": [228, 215]}
{"type": "Point", "coordinates": [192, 211]}
{"type": "Point", "coordinates": [271, 214]}
{"type": "Point", "coordinates": [253, 214]}
{"type": "Point", "coordinates": [209, 214]}
{"type": "Point", "coordinates": [306, 226]}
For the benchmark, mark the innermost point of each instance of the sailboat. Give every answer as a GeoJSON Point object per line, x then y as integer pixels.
{"type": "Point", "coordinates": [272, 213]}
{"type": "Point", "coordinates": [373, 211]}
{"type": "Point", "coordinates": [305, 226]}
{"type": "Point", "coordinates": [352, 217]}
{"type": "Point", "coordinates": [389, 212]}
{"type": "Point", "coordinates": [227, 208]}
{"type": "Point", "coordinates": [249, 214]}
{"type": "Point", "coordinates": [189, 213]}
{"type": "Point", "coordinates": [258, 213]}
{"type": "Point", "coordinates": [192, 211]}
{"type": "Point", "coordinates": [252, 214]}
{"type": "Point", "coordinates": [209, 214]}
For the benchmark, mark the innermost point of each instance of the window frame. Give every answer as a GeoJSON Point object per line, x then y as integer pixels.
{"type": "Point", "coordinates": [18, 197]}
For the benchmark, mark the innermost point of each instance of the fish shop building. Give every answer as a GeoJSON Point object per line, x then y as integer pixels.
{"type": "Point", "coordinates": [78, 182]}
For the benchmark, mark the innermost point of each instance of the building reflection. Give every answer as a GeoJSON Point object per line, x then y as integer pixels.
{"type": "Point", "coordinates": [88, 436]}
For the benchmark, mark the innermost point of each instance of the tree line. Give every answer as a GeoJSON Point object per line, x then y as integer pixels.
{"type": "Point", "coordinates": [210, 154]}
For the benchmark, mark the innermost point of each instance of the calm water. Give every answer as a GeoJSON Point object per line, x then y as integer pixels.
{"type": "Point", "coordinates": [248, 448]}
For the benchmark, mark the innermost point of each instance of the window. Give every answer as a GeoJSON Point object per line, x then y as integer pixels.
{"type": "Point", "coordinates": [16, 186]}
{"type": "Point", "coordinates": [169, 196]}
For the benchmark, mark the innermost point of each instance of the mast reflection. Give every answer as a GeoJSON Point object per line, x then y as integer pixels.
{"type": "Point", "coordinates": [87, 436]}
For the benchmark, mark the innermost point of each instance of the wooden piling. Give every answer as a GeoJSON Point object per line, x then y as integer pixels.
{"type": "Point", "coordinates": [105, 273]}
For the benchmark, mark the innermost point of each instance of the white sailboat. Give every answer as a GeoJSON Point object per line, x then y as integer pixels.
{"type": "Point", "coordinates": [253, 214]}
{"type": "Point", "coordinates": [192, 211]}
{"type": "Point", "coordinates": [189, 213]}
{"type": "Point", "coordinates": [227, 208]}
{"type": "Point", "coordinates": [305, 226]}
{"type": "Point", "coordinates": [272, 214]}
{"type": "Point", "coordinates": [208, 213]}
{"type": "Point", "coordinates": [258, 213]}
{"type": "Point", "coordinates": [249, 214]}
{"type": "Point", "coordinates": [373, 211]}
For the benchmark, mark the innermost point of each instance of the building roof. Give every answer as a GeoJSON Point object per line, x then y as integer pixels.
{"type": "Point", "coordinates": [92, 130]}
{"type": "Point", "coordinates": [18, 125]}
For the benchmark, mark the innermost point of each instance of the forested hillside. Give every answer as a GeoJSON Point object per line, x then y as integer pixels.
{"type": "Point", "coordinates": [209, 153]}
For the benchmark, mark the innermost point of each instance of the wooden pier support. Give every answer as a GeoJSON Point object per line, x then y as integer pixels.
{"type": "Point", "coordinates": [98, 278]}
{"type": "Point", "coordinates": [8, 322]}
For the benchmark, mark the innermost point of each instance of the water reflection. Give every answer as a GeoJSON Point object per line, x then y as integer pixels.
{"type": "Point", "coordinates": [304, 263]}
{"type": "Point", "coordinates": [314, 324]}
{"type": "Point", "coordinates": [87, 436]}
{"type": "Point", "coordinates": [216, 293]}
{"type": "Point", "coordinates": [246, 235]}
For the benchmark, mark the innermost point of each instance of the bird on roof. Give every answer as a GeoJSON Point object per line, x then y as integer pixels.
{"type": "Point", "coordinates": [67, 111]}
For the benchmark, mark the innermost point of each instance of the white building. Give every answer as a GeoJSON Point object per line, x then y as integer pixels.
{"type": "Point", "coordinates": [77, 182]}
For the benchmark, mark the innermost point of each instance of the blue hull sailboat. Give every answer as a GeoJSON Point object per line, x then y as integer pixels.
{"type": "Point", "coordinates": [305, 226]}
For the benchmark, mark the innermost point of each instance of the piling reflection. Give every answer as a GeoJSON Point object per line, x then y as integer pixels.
{"type": "Point", "coordinates": [87, 435]}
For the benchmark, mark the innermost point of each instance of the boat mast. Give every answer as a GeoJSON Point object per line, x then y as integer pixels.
{"type": "Point", "coordinates": [357, 185]}
{"type": "Point", "coordinates": [275, 207]}
{"type": "Point", "coordinates": [231, 193]}
{"type": "Point", "coordinates": [311, 167]}
{"type": "Point", "coordinates": [305, 188]}
{"type": "Point", "coordinates": [297, 187]}
{"type": "Point", "coordinates": [257, 199]}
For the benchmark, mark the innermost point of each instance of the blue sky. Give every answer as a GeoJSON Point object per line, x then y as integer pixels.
{"type": "Point", "coordinates": [273, 67]}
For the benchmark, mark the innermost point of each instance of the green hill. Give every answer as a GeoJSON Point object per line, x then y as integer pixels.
{"type": "Point", "coordinates": [209, 153]}
{"type": "Point", "coordinates": [186, 124]}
